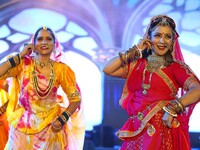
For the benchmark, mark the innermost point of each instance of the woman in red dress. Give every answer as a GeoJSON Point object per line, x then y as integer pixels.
{"type": "Point", "coordinates": [155, 73]}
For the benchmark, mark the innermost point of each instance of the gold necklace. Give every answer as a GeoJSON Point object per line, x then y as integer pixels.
{"type": "Point", "coordinates": [42, 93]}
{"type": "Point", "coordinates": [153, 63]}
{"type": "Point", "coordinates": [42, 64]}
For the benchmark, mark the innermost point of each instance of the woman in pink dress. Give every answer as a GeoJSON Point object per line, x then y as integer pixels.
{"type": "Point", "coordinates": [36, 118]}
{"type": "Point", "coordinates": [155, 73]}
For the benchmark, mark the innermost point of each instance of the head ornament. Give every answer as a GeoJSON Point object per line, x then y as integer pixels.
{"type": "Point", "coordinates": [44, 27]}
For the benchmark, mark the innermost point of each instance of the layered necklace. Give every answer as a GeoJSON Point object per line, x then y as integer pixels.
{"type": "Point", "coordinates": [154, 62]}
{"type": "Point", "coordinates": [42, 93]}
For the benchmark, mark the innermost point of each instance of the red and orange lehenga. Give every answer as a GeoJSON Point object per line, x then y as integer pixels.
{"type": "Point", "coordinates": [3, 120]}
{"type": "Point", "coordinates": [30, 115]}
{"type": "Point", "coordinates": [145, 130]}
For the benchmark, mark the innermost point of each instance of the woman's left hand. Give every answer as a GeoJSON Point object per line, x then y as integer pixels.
{"type": "Point", "coordinates": [56, 126]}
{"type": "Point", "coordinates": [167, 120]}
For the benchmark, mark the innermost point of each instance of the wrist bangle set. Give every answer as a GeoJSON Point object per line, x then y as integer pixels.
{"type": "Point", "coordinates": [64, 117]}
{"type": "Point", "coordinates": [130, 55]}
{"type": "Point", "coordinates": [13, 61]}
{"type": "Point", "coordinates": [174, 108]}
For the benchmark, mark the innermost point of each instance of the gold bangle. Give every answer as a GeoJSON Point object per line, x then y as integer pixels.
{"type": "Point", "coordinates": [2, 110]}
{"type": "Point", "coordinates": [180, 104]}
{"type": "Point", "coordinates": [16, 60]}
{"type": "Point", "coordinates": [139, 51]}
{"type": "Point", "coordinates": [9, 64]}
{"type": "Point", "coordinates": [63, 118]}
{"type": "Point", "coordinates": [170, 112]}
{"type": "Point", "coordinates": [57, 128]}
{"type": "Point", "coordinates": [69, 114]}
{"type": "Point", "coordinates": [123, 62]}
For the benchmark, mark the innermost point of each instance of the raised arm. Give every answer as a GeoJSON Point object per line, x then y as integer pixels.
{"type": "Point", "coordinates": [10, 63]}
{"type": "Point", "coordinates": [114, 67]}
{"type": "Point", "coordinates": [15, 60]}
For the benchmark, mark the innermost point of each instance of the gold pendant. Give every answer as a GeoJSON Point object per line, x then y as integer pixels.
{"type": "Point", "coordinates": [145, 87]}
{"type": "Point", "coordinates": [42, 64]}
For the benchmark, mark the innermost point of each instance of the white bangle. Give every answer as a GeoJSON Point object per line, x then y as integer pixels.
{"type": "Point", "coordinates": [140, 51]}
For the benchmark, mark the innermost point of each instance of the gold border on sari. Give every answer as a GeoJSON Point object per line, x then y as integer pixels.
{"type": "Point", "coordinates": [144, 121]}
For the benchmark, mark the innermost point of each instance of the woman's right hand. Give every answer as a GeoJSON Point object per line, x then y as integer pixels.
{"type": "Point", "coordinates": [27, 50]}
{"type": "Point", "coordinates": [144, 44]}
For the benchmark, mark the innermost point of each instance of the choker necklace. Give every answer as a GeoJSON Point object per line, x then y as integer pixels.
{"type": "Point", "coordinates": [153, 63]}
{"type": "Point", "coordinates": [42, 64]}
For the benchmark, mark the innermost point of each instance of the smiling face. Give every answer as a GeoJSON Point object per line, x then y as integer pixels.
{"type": "Point", "coordinates": [44, 42]}
{"type": "Point", "coordinates": [162, 40]}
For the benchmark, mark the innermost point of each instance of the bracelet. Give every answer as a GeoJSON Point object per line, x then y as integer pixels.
{"type": "Point", "coordinates": [61, 121]}
{"type": "Point", "coordinates": [170, 112]}
{"type": "Point", "coordinates": [177, 106]}
{"type": "Point", "coordinates": [180, 104]}
{"type": "Point", "coordinates": [69, 114]}
{"type": "Point", "coordinates": [65, 115]}
{"type": "Point", "coordinates": [123, 62]}
{"type": "Point", "coordinates": [2, 110]}
{"type": "Point", "coordinates": [139, 51]}
{"type": "Point", "coordinates": [130, 55]}
{"type": "Point", "coordinates": [63, 118]}
{"type": "Point", "coordinates": [9, 64]}
{"type": "Point", "coordinates": [12, 62]}
{"type": "Point", "coordinates": [19, 57]}
{"type": "Point", "coordinates": [57, 128]}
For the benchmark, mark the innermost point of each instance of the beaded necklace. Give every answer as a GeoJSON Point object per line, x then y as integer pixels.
{"type": "Point", "coordinates": [154, 62]}
{"type": "Point", "coordinates": [42, 93]}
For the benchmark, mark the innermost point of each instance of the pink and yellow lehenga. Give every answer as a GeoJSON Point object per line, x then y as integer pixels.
{"type": "Point", "coordinates": [144, 130]}
{"type": "Point", "coordinates": [30, 115]}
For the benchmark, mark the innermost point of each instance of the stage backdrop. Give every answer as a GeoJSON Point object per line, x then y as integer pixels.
{"type": "Point", "coordinates": [91, 32]}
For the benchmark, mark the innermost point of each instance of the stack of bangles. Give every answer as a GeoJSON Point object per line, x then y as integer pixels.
{"type": "Point", "coordinates": [13, 61]}
{"type": "Point", "coordinates": [2, 109]}
{"type": "Point", "coordinates": [174, 108]}
{"type": "Point", "coordinates": [130, 55]}
{"type": "Point", "coordinates": [63, 118]}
